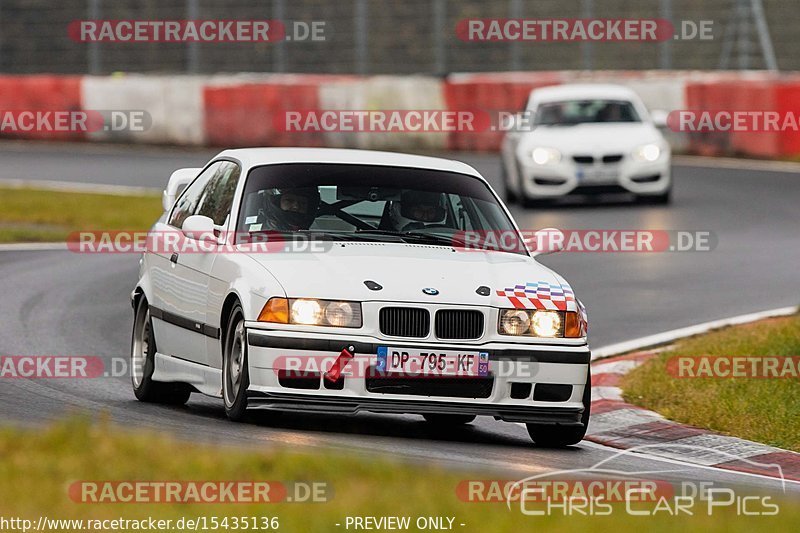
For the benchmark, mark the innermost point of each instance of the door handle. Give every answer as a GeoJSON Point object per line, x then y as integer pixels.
{"type": "Point", "coordinates": [174, 258]}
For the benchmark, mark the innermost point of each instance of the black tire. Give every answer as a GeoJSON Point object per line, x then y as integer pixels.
{"type": "Point", "coordinates": [552, 436]}
{"type": "Point", "coordinates": [657, 199]}
{"type": "Point", "coordinates": [448, 420]}
{"type": "Point", "coordinates": [538, 202]}
{"type": "Point", "coordinates": [142, 363]}
{"type": "Point", "coordinates": [235, 371]}
{"type": "Point", "coordinates": [508, 194]}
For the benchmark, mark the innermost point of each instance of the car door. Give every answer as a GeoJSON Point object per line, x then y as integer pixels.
{"type": "Point", "coordinates": [179, 286]}
{"type": "Point", "coordinates": [215, 203]}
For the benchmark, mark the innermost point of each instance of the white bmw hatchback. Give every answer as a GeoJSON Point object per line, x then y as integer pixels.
{"type": "Point", "coordinates": [343, 281]}
{"type": "Point", "coordinates": [586, 140]}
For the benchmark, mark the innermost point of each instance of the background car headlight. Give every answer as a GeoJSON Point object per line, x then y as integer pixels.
{"type": "Point", "coordinates": [312, 312]}
{"type": "Point", "coordinates": [647, 152]}
{"type": "Point", "coordinates": [545, 156]}
{"type": "Point", "coordinates": [534, 323]}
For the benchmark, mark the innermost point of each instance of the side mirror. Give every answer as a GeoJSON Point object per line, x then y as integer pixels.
{"type": "Point", "coordinates": [659, 117]}
{"type": "Point", "coordinates": [177, 182]}
{"type": "Point", "coordinates": [546, 241]}
{"type": "Point", "coordinates": [199, 227]}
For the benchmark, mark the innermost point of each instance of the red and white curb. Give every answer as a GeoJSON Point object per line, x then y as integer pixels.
{"type": "Point", "coordinates": [618, 424]}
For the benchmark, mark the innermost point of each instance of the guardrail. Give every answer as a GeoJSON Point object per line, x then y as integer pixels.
{"type": "Point", "coordinates": [245, 109]}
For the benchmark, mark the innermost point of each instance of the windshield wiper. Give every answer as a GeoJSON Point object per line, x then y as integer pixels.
{"type": "Point", "coordinates": [416, 237]}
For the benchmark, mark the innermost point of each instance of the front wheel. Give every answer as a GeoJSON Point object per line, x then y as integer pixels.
{"type": "Point", "coordinates": [448, 420]}
{"type": "Point", "coordinates": [509, 195]}
{"type": "Point", "coordinates": [657, 199]}
{"type": "Point", "coordinates": [143, 352]}
{"type": "Point", "coordinates": [552, 436]}
{"type": "Point", "coordinates": [235, 374]}
{"type": "Point", "coordinates": [536, 202]}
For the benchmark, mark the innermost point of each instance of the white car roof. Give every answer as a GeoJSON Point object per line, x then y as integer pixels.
{"type": "Point", "coordinates": [583, 90]}
{"type": "Point", "coordinates": [251, 157]}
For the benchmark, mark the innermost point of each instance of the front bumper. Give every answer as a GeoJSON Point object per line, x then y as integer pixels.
{"type": "Point", "coordinates": [568, 177]}
{"type": "Point", "coordinates": [519, 387]}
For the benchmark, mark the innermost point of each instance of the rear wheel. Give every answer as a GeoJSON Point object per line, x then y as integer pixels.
{"type": "Point", "coordinates": [235, 374]}
{"type": "Point", "coordinates": [448, 420]}
{"type": "Point", "coordinates": [553, 436]}
{"type": "Point", "coordinates": [143, 352]}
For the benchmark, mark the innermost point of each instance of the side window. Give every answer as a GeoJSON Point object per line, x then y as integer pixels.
{"type": "Point", "coordinates": [217, 196]}
{"type": "Point", "coordinates": [190, 199]}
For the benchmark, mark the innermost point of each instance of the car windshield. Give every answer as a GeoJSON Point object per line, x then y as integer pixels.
{"type": "Point", "coordinates": [373, 203]}
{"type": "Point", "coordinates": [573, 112]}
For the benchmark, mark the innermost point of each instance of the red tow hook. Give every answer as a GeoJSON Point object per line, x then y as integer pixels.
{"type": "Point", "coordinates": [335, 372]}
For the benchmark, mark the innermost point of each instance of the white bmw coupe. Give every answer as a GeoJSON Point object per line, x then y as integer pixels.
{"type": "Point", "coordinates": [341, 281]}
{"type": "Point", "coordinates": [586, 140]}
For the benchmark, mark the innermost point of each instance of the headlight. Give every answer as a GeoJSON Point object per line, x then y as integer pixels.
{"type": "Point", "coordinates": [545, 156]}
{"type": "Point", "coordinates": [647, 152]}
{"type": "Point", "coordinates": [312, 312]}
{"type": "Point", "coordinates": [341, 314]}
{"type": "Point", "coordinates": [514, 322]}
{"type": "Point", "coordinates": [546, 323]}
{"type": "Point", "coordinates": [538, 323]}
{"type": "Point", "coordinates": [306, 312]}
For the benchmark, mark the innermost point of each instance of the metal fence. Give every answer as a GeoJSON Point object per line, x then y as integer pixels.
{"type": "Point", "coordinates": [398, 37]}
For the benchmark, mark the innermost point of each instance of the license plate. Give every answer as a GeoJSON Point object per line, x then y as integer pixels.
{"type": "Point", "coordinates": [431, 362]}
{"type": "Point", "coordinates": [598, 174]}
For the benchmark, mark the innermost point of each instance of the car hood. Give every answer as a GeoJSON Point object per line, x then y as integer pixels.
{"type": "Point", "coordinates": [592, 138]}
{"type": "Point", "coordinates": [403, 270]}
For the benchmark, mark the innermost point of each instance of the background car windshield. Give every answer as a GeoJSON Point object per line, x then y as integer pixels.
{"type": "Point", "coordinates": [585, 111]}
{"type": "Point", "coordinates": [380, 203]}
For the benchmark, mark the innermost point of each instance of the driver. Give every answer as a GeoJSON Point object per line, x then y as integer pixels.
{"type": "Point", "coordinates": [416, 209]}
{"type": "Point", "coordinates": [293, 209]}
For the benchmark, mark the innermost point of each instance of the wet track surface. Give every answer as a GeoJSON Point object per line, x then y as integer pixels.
{"type": "Point", "coordinates": [69, 304]}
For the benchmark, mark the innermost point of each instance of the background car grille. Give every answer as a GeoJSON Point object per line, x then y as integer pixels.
{"type": "Point", "coordinates": [583, 159]}
{"type": "Point", "coordinates": [613, 158]}
{"type": "Point", "coordinates": [404, 321]}
{"type": "Point", "coordinates": [459, 324]}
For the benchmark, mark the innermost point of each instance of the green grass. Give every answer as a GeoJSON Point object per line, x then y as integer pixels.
{"type": "Point", "coordinates": [763, 410]}
{"type": "Point", "coordinates": [31, 215]}
{"type": "Point", "coordinates": [38, 466]}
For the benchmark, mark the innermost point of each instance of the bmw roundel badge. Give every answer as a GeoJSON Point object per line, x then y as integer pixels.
{"type": "Point", "coordinates": [430, 291]}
